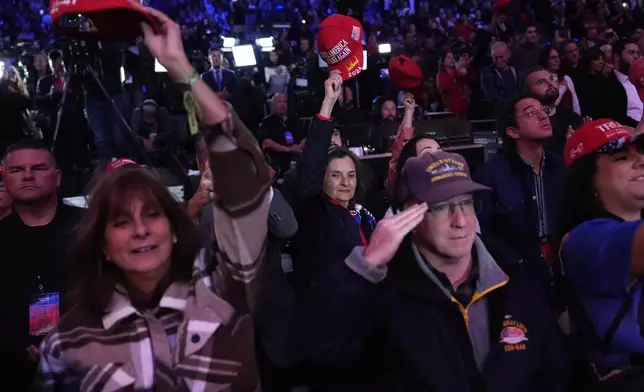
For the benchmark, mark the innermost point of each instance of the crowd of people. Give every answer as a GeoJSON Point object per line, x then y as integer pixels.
{"type": "Point", "coordinates": [285, 269]}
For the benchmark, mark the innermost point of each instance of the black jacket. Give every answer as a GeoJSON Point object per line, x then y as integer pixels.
{"type": "Point", "coordinates": [327, 231]}
{"type": "Point", "coordinates": [406, 334]}
{"type": "Point", "coordinates": [228, 81]}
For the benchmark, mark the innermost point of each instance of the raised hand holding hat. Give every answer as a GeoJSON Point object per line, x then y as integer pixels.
{"type": "Point", "coordinates": [166, 45]}
{"type": "Point", "coordinates": [104, 20]}
{"type": "Point", "coordinates": [332, 91]}
{"type": "Point", "coordinates": [405, 74]}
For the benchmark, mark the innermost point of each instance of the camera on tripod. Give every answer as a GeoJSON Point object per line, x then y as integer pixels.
{"type": "Point", "coordinates": [79, 57]}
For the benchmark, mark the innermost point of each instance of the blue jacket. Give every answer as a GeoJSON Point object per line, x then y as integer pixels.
{"type": "Point", "coordinates": [610, 310]}
{"type": "Point", "coordinates": [509, 216]}
{"type": "Point", "coordinates": [408, 335]}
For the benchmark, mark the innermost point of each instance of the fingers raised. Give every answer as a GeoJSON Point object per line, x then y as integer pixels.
{"type": "Point", "coordinates": [400, 219]}
{"type": "Point", "coordinates": [163, 18]}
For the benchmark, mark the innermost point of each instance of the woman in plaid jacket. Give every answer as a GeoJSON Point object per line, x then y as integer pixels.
{"type": "Point", "coordinates": [147, 316]}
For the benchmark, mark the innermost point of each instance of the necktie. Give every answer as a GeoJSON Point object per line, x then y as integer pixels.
{"type": "Point", "coordinates": [218, 78]}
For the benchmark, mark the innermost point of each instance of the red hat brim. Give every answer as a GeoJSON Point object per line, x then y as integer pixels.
{"type": "Point", "coordinates": [111, 20]}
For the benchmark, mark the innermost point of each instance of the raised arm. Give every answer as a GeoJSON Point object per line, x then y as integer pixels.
{"type": "Point", "coordinates": [241, 180]}
{"type": "Point", "coordinates": [312, 166]}
{"type": "Point", "coordinates": [405, 132]}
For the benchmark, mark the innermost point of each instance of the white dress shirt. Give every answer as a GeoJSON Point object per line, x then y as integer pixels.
{"type": "Point", "coordinates": [634, 106]}
{"type": "Point", "coordinates": [569, 86]}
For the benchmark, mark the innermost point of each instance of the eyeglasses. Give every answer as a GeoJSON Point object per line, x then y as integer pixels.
{"type": "Point", "coordinates": [447, 210]}
{"type": "Point", "coordinates": [535, 112]}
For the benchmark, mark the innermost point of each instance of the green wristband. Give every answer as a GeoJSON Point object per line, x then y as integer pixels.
{"type": "Point", "coordinates": [194, 76]}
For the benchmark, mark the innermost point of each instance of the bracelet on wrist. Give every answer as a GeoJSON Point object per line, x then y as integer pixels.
{"type": "Point", "coordinates": [192, 79]}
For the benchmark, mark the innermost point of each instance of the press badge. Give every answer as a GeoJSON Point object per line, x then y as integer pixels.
{"type": "Point", "coordinates": [44, 312]}
{"type": "Point", "coordinates": [301, 82]}
{"type": "Point", "coordinates": [289, 137]}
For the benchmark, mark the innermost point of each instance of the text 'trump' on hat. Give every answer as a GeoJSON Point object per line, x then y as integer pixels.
{"type": "Point", "coordinates": [597, 136]}
{"type": "Point", "coordinates": [436, 177]}
{"type": "Point", "coordinates": [340, 45]}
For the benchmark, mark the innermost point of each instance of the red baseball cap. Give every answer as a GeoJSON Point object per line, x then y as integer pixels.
{"type": "Point", "coordinates": [502, 4]}
{"type": "Point", "coordinates": [597, 136]}
{"type": "Point", "coordinates": [119, 163]}
{"type": "Point", "coordinates": [406, 75]}
{"type": "Point", "coordinates": [340, 45]}
{"type": "Point", "coordinates": [109, 20]}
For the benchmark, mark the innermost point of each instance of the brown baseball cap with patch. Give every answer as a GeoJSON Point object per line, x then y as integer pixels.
{"type": "Point", "coordinates": [436, 177]}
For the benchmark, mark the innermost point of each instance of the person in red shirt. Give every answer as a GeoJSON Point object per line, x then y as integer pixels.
{"type": "Point", "coordinates": [452, 82]}
{"type": "Point", "coordinates": [464, 29]}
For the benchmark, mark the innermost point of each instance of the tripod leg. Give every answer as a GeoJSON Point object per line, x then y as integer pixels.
{"type": "Point", "coordinates": [59, 112]}
{"type": "Point", "coordinates": [122, 120]}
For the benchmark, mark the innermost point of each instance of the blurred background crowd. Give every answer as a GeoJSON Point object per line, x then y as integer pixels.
{"type": "Point", "coordinates": [507, 84]}
{"type": "Point", "coordinates": [474, 56]}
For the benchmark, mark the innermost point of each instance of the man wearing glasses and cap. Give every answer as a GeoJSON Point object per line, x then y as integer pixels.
{"type": "Point", "coordinates": [430, 304]}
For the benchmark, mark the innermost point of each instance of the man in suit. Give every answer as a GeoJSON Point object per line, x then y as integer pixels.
{"type": "Point", "coordinates": [220, 80]}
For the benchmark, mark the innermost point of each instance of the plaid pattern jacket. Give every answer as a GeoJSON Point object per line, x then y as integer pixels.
{"type": "Point", "coordinates": [200, 337]}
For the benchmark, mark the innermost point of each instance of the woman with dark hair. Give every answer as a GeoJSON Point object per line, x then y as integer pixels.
{"type": "Point", "coordinates": [414, 147]}
{"type": "Point", "coordinates": [405, 134]}
{"type": "Point", "coordinates": [550, 60]}
{"type": "Point", "coordinates": [602, 252]}
{"type": "Point", "coordinates": [276, 74]}
{"type": "Point", "coordinates": [454, 77]}
{"type": "Point", "coordinates": [151, 311]}
{"type": "Point", "coordinates": [601, 95]}
{"type": "Point", "coordinates": [331, 222]}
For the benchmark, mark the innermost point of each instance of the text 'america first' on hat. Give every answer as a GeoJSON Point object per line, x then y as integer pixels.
{"type": "Point", "coordinates": [106, 20]}
{"type": "Point", "coordinates": [340, 45]}
{"type": "Point", "coordinates": [597, 136]}
{"type": "Point", "coordinates": [436, 177]}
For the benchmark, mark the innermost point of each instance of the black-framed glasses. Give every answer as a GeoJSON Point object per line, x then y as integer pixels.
{"type": "Point", "coordinates": [447, 210]}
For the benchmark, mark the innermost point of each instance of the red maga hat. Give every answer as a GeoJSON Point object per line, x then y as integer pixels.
{"type": "Point", "coordinates": [109, 20]}
{"type": "Point", "coordinates": [597, 136]}
{"type": "Point", "coordinates": [120, 163]}
{"type": "Point", "coordinates": [406, 75]}
{"type": "Point", "coordinates": [340, 45]}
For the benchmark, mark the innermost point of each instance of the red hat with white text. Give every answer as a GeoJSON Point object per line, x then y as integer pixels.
{"type": "Point", "coordinates": [119, 163]}
{"type": "Point", "coordinates": [601, 136]}
{"type": "Point", "coordinates": [107, 20]}
{"type": "Point", "coordinates": [340, 45]}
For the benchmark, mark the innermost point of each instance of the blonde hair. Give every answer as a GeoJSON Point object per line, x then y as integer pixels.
{"type": "Point", "coordinates": [21, 86]}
